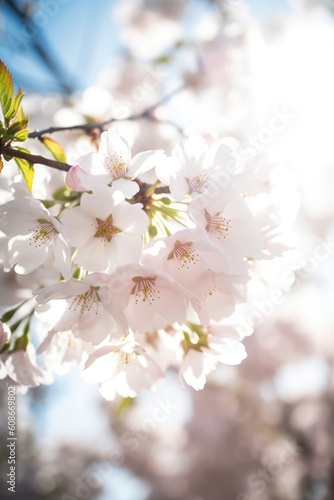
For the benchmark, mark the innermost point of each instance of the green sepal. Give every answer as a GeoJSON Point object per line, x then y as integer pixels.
{"type": "Point", "coordinates": [21, 343]}
{"type": "Point", "coordinates": [48, 203]}
{"type": "Point", "coordinates": [7, 316]}
{"type": "Point", "coordinates": [5, 347]}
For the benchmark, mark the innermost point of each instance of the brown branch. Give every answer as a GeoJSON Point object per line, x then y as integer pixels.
{"type": "Point", "coordinates": [88, 127]}
{"type": "Point", "coordinates": [6, 150]}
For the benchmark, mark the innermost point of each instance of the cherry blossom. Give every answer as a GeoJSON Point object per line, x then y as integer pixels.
{"type": "Point", "coordinates": [83, 307]}
{"type": "Point", "coordinates": [193, 167]}
{"type": "Point", "coordinates": [149, 298]}
{"type": "Point", "coordinates": [146, 265]}
{"type": "Point", "coordinates": [111, 165]}
{"type": "Point", "coordinates": [61, 350]}
{"type": "Point", "coordinates": [231, 226]}
{"type": "Point", "coordinates": [106, 232]}
{"type": "Point", "coordinates": [191, 259]}
{"type": "Point", "coordinates": [4, 335]}
{"type": "Point", "coordinates": [21, 366]}
{"type": "Point", "coordinates": [123, 368]}
{"type": "Point", "coordinates": [34, 237]}
{"type": "Point", "coordinates": [215, 344]}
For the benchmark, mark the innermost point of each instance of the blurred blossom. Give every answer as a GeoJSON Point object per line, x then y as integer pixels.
{"type": "Point", "coordinates": [259, 430]}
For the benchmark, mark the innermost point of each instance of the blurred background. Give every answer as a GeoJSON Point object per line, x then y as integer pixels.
{"type": "Point", "coordinates": [263, 430]}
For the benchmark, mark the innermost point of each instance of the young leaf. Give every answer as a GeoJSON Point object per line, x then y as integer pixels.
{"type": "Point", "coordinates": [21, 136]}
{"type": "Point", "coordinates": [27, 170]}
{"type": "Point", "coordinates": [55, 149]}
{"type": "Point", "coordinates": [15, 104]}
{"type": "Point", "coordinates": [6, 89]}
{"type": "Point", "coordinates": [15, 127]}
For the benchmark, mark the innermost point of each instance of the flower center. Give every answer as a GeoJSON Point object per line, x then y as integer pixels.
{"type": "Point", "coordinates": [217, 225]}
{"type": "Point", "coordinates": [199, 181]}
{"type": "Point", "coordinates": [116, 167]}
{"type": "Point", "coordinates": [106, 229]}
{"type": "Point", "coordinates": [144, 289]}
{"type": "Point", "coordinates": [85, 301]}
{"type": "Point", "coordinates": [42, 234]}
{"type": "Point", "coordinates": [184, 254]}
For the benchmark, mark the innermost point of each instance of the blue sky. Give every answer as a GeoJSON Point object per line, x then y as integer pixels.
{"type": "Point", "coordinates": [78, 35]}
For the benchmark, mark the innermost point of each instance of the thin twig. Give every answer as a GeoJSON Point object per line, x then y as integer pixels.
{"type": "Point", "coordinates": [88, 127]}
{"type": "Point", "coordinates": [6, 150]}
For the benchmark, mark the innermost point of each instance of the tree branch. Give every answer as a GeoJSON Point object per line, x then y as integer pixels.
{"type": "Point", "coordinates": [6, 150]}
{"type": "Point", "coordinates": [88, 127]}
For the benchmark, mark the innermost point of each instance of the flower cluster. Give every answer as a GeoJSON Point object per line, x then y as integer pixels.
{"type": "Point", "coordinates": [137, 264]}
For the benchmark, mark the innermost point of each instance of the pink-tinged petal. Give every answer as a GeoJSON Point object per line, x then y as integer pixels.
{"type": "Point", "coordinates": [74, 178]}
{"type": "Point", "coordinates": [126, 188]}
{"type": "Point", "coordinates": [97, 255]}
{"type": "Point", "coordinates": [229, 352]}
{"type": "Point", "coordinates": [103, 351]}
{"type": "Point", "coordinates": [46, 344]}
{"type": "Point", "coordinates": [145, 161]}
{"type": "Point", "coordinates": [194, 369]}
{"type": "Point", "coordinates": [142, 373]}
{"type": "Point", "coordinates": [190, 151]}
{"type": "Point", "coordinates": [20, 215]}
{"type": "Point", "coordinates": [128, 249]}
{"type": "Point", "coordinates": [23, 370]}
{"type": "Point", "coordinates": [63, 290]}
{"type": "Point", "coordinates": [108, 390]}
{"type": "Point", "coordinates": [62, 256]}
{"type": "Point", "coordinates": [101, 366]}
{"type": "Point", "coordinates": [172, 305]}
{"type": "Point", "coordinates": [99, 204]}
{"type": "Point", "coordinates": [166, 168]}
{"type": "Point", "coordinates": [4, 334]}
{"type": "Point", "coordinates": [114, 153]}
{"type": "Point", "coordinates": [179, 187]}
{"type": "Point", "coordinates": [57, 315]}
{"type": "Point", "coordinates": [77, 228]}
{"type": "Point", "coordinates": [131, 218]}
{"type": "Point", "coordinates": [25, 257]}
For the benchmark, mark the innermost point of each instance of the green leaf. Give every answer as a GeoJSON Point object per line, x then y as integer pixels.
{"type": "Point", "coordinates": [17, 126]}
{"type": "Point", "coordinates": [15, 104]}
{"type": "Point", "coordinates": [1, 165]}
{"type": "Point", "coordinates": [6, 80]}
{"type": "Point", "coordinates": [6, 89]}
{"type": "Point", "coordinates": [55, 149]}
{"type": "Point", "coordinates": [21, 136]}
{"type": "Point", "coordinates": [6, 103]}
{"type": "Point", "coordinates": [2, 129]}
{"type": "Point", "coordinates": [27, 170]}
